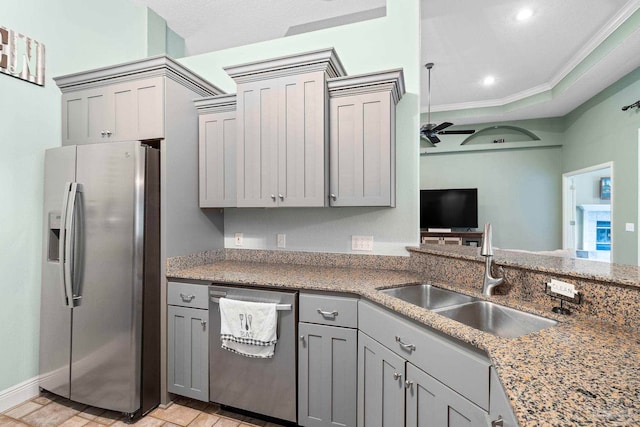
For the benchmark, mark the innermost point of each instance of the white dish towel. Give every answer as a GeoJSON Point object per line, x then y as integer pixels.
{"type": "Point", "coordinates": [248, 328]}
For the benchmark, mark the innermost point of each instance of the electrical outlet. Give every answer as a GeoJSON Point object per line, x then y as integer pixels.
{"type": "Point", "coordinates": [563, 288]}
{"type": "Point", "coordinates": [239, 239]}
{"type": "Point", "coordinates": [282, 240]}
{"type": "Point", "coordinates": [362, 243]}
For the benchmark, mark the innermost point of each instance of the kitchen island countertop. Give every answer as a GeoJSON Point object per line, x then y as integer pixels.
{"type": "Point", "coordinates": [581, 372]}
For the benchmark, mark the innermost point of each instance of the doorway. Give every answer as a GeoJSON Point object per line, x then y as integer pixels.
{"type": "Point", "coordinates": [587, 213]}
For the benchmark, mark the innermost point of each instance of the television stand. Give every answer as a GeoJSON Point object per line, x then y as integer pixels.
{"type": "Point", "coordinates": [467, 238]}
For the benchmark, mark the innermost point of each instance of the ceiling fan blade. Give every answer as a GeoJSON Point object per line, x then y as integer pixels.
{"type": "Point", "coordinates": [441, 126]}
{"type": "Point", "coordinates": [433, 138]}
{"type": "Point", "coordinates": [457, 132]}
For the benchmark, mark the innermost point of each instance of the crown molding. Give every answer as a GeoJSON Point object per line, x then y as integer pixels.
{"type": "Point", "coordinates": [390, 80]}
{"type": "Point", "coordinates": [216, 104]}
{"type": "Point", "coordinates": [325, 60]}
{"type": "Point", "coordinates": [625, 13]}
{"type": "Point", "coordinates": [139, 69]}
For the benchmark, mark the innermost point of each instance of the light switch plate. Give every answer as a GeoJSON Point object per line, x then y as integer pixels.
{"type": "Point", "coordinates": [239, 239]}
{"type": "Point", "coordinates": [282, 240]}
{"type": "Point", "coordinates": [629, 226]}
{"type": "Point", "coordinates": [362, 243]}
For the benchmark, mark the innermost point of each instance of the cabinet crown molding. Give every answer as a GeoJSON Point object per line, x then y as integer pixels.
{"type": "Point", "coordinates": [216, 104]}
{"type": "Point", "coordinates": [143, 68]}
{"type": "Point", "coordinates": [389, 80]}
{"type": "Point", "coordinates": [320, 60]}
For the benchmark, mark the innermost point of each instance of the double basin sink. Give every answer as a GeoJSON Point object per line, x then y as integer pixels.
{"type": "Point", "coordinates": [486, 316]}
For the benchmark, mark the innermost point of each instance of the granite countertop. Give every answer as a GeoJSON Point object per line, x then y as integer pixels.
{"type": "Point", "coordinates": [580, 372]}
{"type": "Point", "coordinates": [628, 275]}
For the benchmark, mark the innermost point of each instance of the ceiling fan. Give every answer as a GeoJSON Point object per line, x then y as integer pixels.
{"type": "Point", "coordinates": [431, 131]}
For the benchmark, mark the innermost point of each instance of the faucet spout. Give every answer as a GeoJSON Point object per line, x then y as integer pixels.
{"type": "Point", "coordinates": [490, 283]}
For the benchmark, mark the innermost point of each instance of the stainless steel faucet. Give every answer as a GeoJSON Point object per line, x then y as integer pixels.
{"type": "Point", "coordinates": [486, 251]}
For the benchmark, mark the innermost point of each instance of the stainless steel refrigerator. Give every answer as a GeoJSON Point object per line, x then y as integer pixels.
{"type": "Point", "coordinates": [100, 306]}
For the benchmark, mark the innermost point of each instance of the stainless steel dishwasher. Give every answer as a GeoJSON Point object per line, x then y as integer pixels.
{"type": "Point", "coordinates": [263, 386]}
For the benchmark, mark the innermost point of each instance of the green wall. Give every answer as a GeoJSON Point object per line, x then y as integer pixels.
{"type": "Point", "coordinates": [599, 131]}
{"type": "Point", "coordinates": [78, 35]}
{"type": "Point", "coordinates": [519, 189]}
{"type": "Point", "coordinates": [512, 182]}
{"type": "Point", "coordinates": [378, 44]}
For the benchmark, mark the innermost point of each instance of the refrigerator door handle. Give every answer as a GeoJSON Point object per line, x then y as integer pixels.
{"type": "Point", "coordinates": [66, 290]}
{"type": "Point", "coordinates": [70, 244]}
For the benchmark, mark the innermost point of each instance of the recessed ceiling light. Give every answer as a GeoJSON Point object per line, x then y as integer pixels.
{"type": "Point", "coordinates": [489, 80]}
{"type": "Point", "coordinates": [524, 14]}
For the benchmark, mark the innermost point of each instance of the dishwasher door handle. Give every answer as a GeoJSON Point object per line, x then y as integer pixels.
{"type": "Point", "coordinates": [279, 307]}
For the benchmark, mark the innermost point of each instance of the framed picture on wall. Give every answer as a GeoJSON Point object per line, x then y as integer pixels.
{"type": "Point", "coordinates": [605, 188]}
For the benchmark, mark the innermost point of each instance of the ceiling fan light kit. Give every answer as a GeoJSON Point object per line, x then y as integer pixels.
{"type": "Point", "coordinates": [431, 131]}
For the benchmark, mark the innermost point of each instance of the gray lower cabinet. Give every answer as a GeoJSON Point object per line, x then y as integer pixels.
{"type": "Point", "coordinates": [381, 396]}
{"type": "Point", "coordinates": [327, 375]}
{"type": "Point", "coordinates": [432, 404]}
{"type": "Point", "coordinates": [393, 392]}
{"type": "Point", "coordinates": [188, 352]}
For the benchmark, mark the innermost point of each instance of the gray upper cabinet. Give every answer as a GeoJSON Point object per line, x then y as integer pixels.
{"type": "Point", "coordinates": [362, 138]}
{"type": "Point", "coordinates": [282, 135]}
{"type": "Point", "coordinates": [217, 151]}
{"type": "Point", "coordinates": [123, 102]}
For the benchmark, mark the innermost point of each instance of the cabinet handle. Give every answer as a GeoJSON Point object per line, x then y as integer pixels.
{"type": "Point", "coordinates": [103, 133]}
{"type": "Point", "coordinates": [334, 197]}
{"type": "Point", "coordinates": [333, 313]}
{"type": "Point", "coordinates": [108, 133]}
{"type": "Point", "coordinates": [408, 384]}
{"type": "Point", "coordinates": [281, 196]}
{"type": "Point", "coordinates": [397, 376]}
{"type": "Point", "coordinates": [187, 298]}
{"type": "Point", "coordinates": [273, 196]}
{"type": "Point", "coordinates": [498, 423]}
{"type": "Point", "coordinates": [203, 323]}
{"type": "Point", "coordinates": [409, 347]}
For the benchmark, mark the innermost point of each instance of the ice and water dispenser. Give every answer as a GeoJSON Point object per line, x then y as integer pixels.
{"type": "Point", "coordinates": [54, 236]}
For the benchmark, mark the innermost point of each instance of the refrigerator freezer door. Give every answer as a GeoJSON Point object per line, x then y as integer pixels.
{"type": "Point", "coordinates": [107, 317]}
{"type": "Point", "coordinates": [55, 315]}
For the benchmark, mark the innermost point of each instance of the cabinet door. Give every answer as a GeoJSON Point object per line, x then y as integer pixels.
{"type": "Point", "coordinates": [432, 404]}
{"type": "Point", "coordinates": [217, 158]}
{"type": "Point", "coordinates": [85, 116]}
{"type": "Point", "coordinates": [499, 403]}
{"type": "Point", "coordinates": [188, 352]}
{"type": "Point", "coordinates": [362, 171]}
{"type": "Point", "coordinates": [302, 140]}
{"type": "Point", "coordinates": [257, 148]}
{"type": "Point", "coordinates": [137, 110]}
{"type": "Point", "coordinates": [380, 385]}
{"type": "Point", "coordinates": [327, 358]}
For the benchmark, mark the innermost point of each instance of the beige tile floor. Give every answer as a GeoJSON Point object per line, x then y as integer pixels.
{"type": "Point", "coordinates": [48, 410]}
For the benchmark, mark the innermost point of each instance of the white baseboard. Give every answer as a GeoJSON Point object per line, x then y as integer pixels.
{"type": "Point", "coordinates": [19, 393]}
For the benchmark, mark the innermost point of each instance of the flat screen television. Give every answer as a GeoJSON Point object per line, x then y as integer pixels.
{"type": "Point", "coordinates": [450, 208]}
